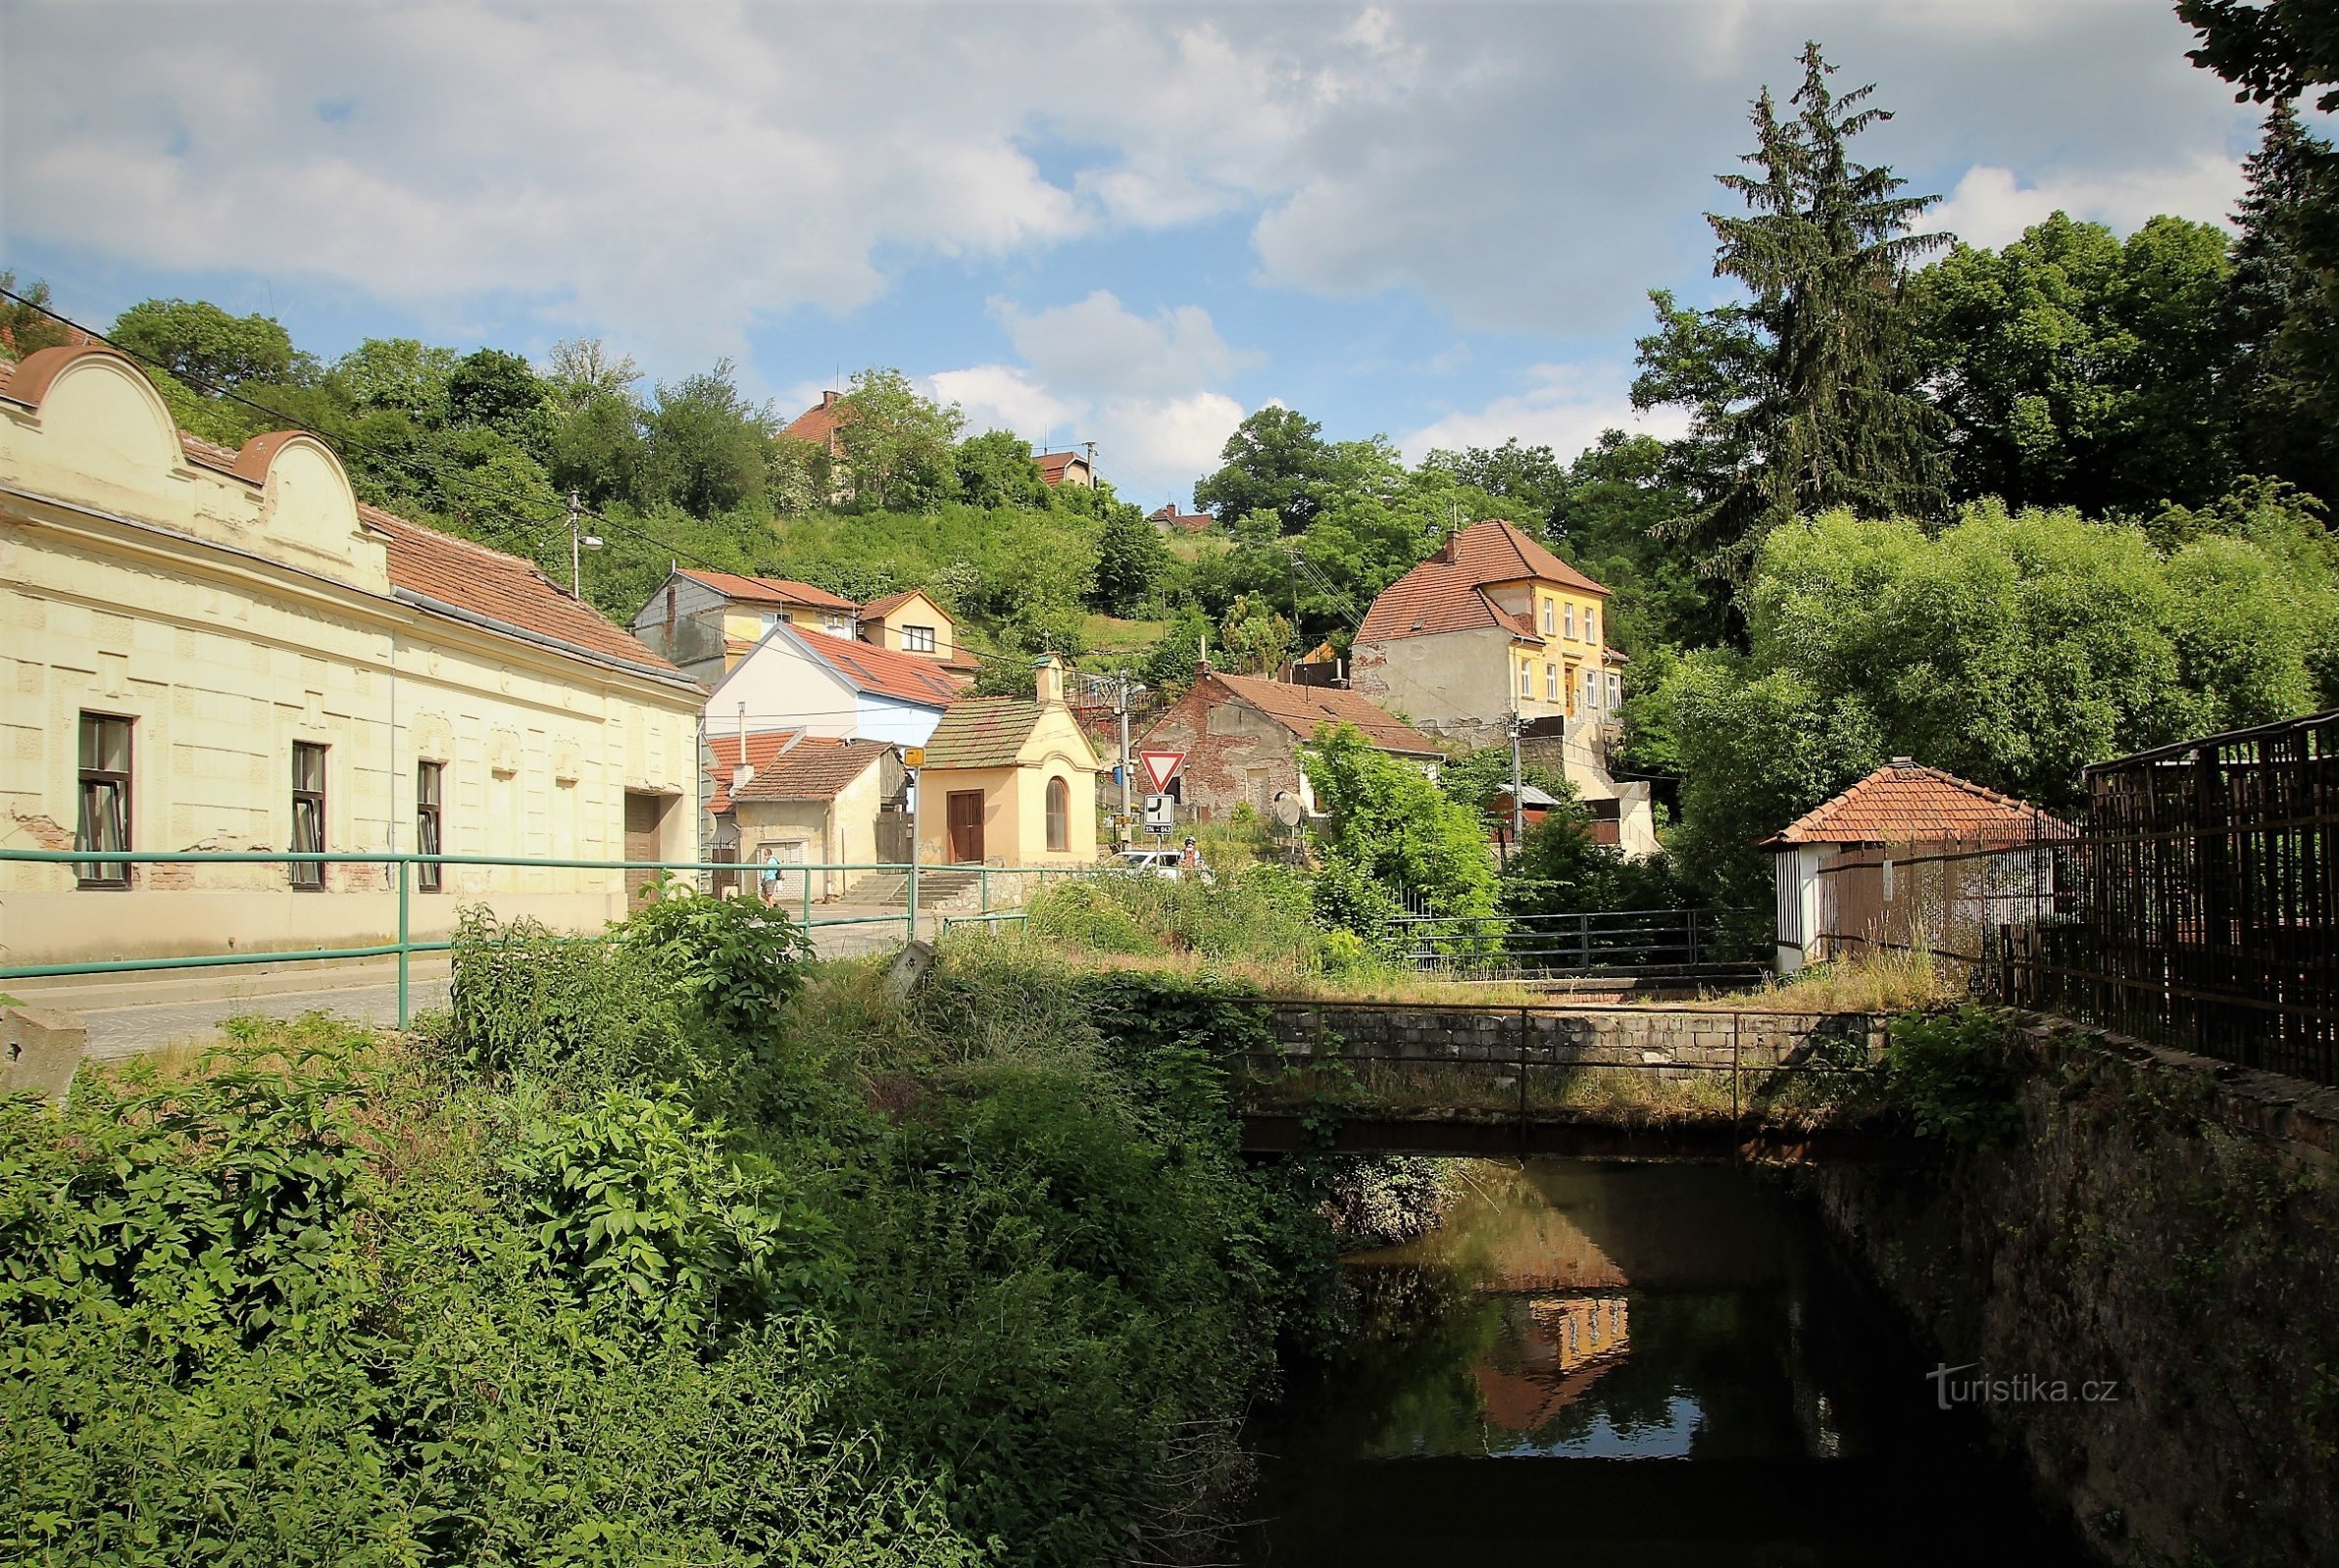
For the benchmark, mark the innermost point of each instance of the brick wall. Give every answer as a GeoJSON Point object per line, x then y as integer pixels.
{"type": "Point", "coordinates": [1235, 754]}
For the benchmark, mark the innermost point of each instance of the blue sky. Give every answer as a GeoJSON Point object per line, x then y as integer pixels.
{"type": "Point", "coordinates": [1130, 225]}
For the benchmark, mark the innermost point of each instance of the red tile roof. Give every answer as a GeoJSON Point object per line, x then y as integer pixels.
{"type": "Point", "coordinates": [818, 424]}
{"type": "Point", "coordinates": [1903, 803]}
{"type": "Point", "coordinates": [1301, 708]}
{"type": "Point", "coordinates": [789, 765]}
{"type": "Point", "coordinates": [893, 602]}
{"type": "Point", "coordinates": [770, 590]}
{"type": "Point", "coordinates": [981, 732]}
{"type": "Point", "coordinates": [1448, 591]}
{"type": "Point", "coordinates": [906, 677]}
{"type": "Point", "coordinates": [504, 588]}
{"type": "Point", "coordinates": [1053, 465]}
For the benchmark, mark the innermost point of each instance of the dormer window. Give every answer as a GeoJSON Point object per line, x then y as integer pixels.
{"type": "Point", "coordinates": [918, 639]}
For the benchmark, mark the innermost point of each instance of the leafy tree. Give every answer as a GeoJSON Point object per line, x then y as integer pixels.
{"type": "Point", "coordinates": [1476, 780]}
{"type": "Point", "coordinates": [996, 469]}
{"type": "Point", "coordinates": [598, 448]}
{"type": "Point", "coordinates": [1253, 639]}
{"type": "Point", "coordinates": [1273, 461]}
{"type": "Point", "coordinates": [28, 328]}
{"type": "Point", "coordinates": [707, 446]}
{"type": "Point", "coordinates": [1130, 561]}
{"type": "Point", "coordinates": [1531, 480]}
{"type": "Point", "coordinates": [1559, 868]}
{"type": "Point", "coordinates": [579, 369]}
{"type": "Point", "coordinates": [897, 444]}
{"type": "Point", "coordinates": [501, 391]}
{"type": "Point", "coordinates": [1388, 826]}
{"type": "Point", "coordinates": [399, 375]}
{"type": "Point", "coordinates": [197, 341]}
{"type": "Point", "coordinates": [1609, 522]}
{"type": "Point", "coordinates": [1804, 398]}
{"type": "Point", "coordinates": [2076, 369]}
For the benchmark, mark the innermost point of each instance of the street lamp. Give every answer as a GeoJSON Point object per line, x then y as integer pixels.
{"type": "Point", "coordinates": [579, 543]}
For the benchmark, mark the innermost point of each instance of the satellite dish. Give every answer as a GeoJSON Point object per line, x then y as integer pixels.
{"type": "Point", "coordinates": [1287, 809]}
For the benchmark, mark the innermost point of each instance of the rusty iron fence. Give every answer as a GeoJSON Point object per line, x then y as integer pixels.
{"type": "Point", "coordinates": [2197, 902]}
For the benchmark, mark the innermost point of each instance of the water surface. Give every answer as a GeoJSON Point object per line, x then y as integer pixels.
{"type": "Point", "coordinates": [1650, 1364]}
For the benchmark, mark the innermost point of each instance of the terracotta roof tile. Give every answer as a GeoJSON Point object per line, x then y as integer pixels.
{"type": "Point", "coordinates": [893, 602]}
{"type": "Point", "coordinates": [789, 765]}
{"type": "Point", "coordinates": [1904, 803]}
{"type": "Point", "coordinates": [770, 590]}
{"type": "Point", "coordinates": [981, 732]}
{"type": "Point", "coordinates": [1053, 465]}
{"type": "Point", "coordinates": [904, 677]}
{"type": "Point", "coordinates": [504, 588]}
{"type": "Point", "coordinates": [1447, 592]}
{"type": "Point", "coordinates": [818, 424]}
{"type": "Point", "coordinates": [1301, 708]}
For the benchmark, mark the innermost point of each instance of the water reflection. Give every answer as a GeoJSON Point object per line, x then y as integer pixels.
{"type": "Point", "coordinates": [1668, 1366]}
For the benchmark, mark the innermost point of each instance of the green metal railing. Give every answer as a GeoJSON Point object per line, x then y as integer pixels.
{"type": "Point", "coordinates": [406, 946]}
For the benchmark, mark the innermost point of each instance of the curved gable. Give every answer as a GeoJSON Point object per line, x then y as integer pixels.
{"type": "Point", "coordinates": [100, 419]}
{"type": "Point", "coordinates": [308, 512]}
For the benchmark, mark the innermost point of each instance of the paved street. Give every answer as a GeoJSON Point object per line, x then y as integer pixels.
{"type": "Point", "coordinates": [129, 1014]}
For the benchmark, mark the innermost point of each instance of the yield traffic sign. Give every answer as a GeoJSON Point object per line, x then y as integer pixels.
{"type": "Point", "coordinates": [1161, 766]}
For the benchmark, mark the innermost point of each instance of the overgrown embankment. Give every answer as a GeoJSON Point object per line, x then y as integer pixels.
{"type": "Point", "coordinates": [2163, 1227]}
{"type": "Point", "coordinates": [663, 1249]}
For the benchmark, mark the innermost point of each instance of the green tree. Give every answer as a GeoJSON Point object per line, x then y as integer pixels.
{"type": "Point", "coordinates": [399, 375]}
{"type": "Point", "coordinates": [1530, 481]}
{"type": "Point", "coordinates": [197, 341]}
{"type": "Point", "coordinates": [996, 469]}
{"type": "Point", "coordinates": [1252, 638]}
{"type": "Point", "coordinates": [27, 329]}
{"type": "Point", "coordinates": [897, 444]}
{"type": "Point", "coordinates": [1804, 398]}
{"type": "Point", "coordinates": [2279, 399]}
{"type": "Point", "coordinates": [1130, 561]}
{"type": "Point", "coordinates": [1389, 828]}
{"type": "Point", "coordinates": [1609, 522]}
{"type": "Point", "coordinates": [2076, 369]}
{"type": "Point", "coordinates": [708, 447]}
{"type": "Point", "coordinates": [598, 446]}
{"type": "Point", "coordinates": [581, 368]}
{"type": "Point", "coordinates": [501, 391]}
{"type": "Point", "coordinates": [1274, 461]}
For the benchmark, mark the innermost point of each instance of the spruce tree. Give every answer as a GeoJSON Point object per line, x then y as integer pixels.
{"type": "Point", "coordinates": [2281, 395]}
{"type": "Point", "coordinates": [1806, 397]}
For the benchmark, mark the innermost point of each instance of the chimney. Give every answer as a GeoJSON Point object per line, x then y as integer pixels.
{"type": "Point", "coordinates": [828, 399]}
{"type": "Point", "coordinates": [1048, 679]}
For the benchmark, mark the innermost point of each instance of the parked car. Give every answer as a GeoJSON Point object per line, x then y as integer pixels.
{"type": "Point", "coordinates": [1157, 863]}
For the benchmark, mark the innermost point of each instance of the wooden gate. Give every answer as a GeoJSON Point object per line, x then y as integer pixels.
{"type": "Point", "coordinates": [965, 826]}
{"type": "Point", "coordinates": [893, 835]}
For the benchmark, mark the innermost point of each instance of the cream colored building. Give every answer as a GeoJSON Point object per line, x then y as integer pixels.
{"type": "Point", "coordinates": [1008, 781]}
{"type": "Point", "coordinates": [212, 650]}
{"type": "Point", "coordinates": [911, 622]}
{"type": "Point", "coordinates": [790, 798]}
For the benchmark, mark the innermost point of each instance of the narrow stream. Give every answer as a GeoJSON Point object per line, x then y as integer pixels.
{"type": "Point", "coordinates": [1651, 1365]}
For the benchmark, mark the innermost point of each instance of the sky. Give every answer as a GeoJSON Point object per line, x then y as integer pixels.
{"type": "Point", "coordinates": [1130, 225]}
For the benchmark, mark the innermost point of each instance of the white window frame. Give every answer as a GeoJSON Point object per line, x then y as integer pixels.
{"type": "Point", "coordinates": [1572, 623]}
{"type": "Point", "coordinates": [1550, 615]}
{"type": "Point", "coordinates": [1616, 690]}
{"type": "Point", "coordinates": [1591, 624]}
{"type": "Point", "coordinates": [1551, 683]}
{"type": "Point", "coordinates": [1527, 679]}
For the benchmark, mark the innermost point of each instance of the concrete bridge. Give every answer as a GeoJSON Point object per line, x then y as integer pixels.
{"type": "Point", "coordinates": [1590, 1081]}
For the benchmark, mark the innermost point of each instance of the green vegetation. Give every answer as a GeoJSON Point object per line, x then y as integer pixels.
{"type": "Point", "coordinates": [682, 1253]}
{"type": "Point", "coordinates": [1950, 1072]}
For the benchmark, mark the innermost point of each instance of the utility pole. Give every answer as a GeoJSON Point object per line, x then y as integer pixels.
{"type": "Point", "coordinates": [580, 542]}
{"type": "Point", "coordinates": [1519, 810]}
{"type": "Point", "coordinates": [1121, 706]}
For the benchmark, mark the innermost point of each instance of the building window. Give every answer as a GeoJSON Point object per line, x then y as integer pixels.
{"type": "Point", "coordinates": [1549, 615]}
{"type": "Point", "coordinates": [1591, 624]}
{"type": "Point", "coordinates": [1591, 688]}
{"type": "Point", "coordinates": [308, 814]}
{"type": "Point", "coordinates": [104, 822]}
{"type": "Point", "coordinates": [1571, 622]}
{"type": "Point", "coordinates": [428, 840]}
{"type": "Point", "coordinates": [918, 639]}
{"type": "Point", "coordinates": [1527, 679]}
{"type": "Point", "coordinates": [1551, 682]}
{"type": "Point", "coordinates": [1060, 815]}
{"type": "Point", "coordinates": [1616, 690]}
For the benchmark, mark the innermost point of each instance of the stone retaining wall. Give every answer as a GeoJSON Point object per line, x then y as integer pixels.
{"type": "Point", "coordinates": [1683, 1039]}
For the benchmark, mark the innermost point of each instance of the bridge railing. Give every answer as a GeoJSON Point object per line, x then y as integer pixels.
{"type": "Point", "coordinates": [1587, 940]}
{"type": "Point", "coordinates": [1531, 1066]}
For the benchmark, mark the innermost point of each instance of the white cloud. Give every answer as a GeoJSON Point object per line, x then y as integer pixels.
{"type": "Point", "coordinates": [1099, 346]}
{"type": "Point", "coordinates": [1563, 406]}
{"type": "Point", "coordinates": [1990, 206]}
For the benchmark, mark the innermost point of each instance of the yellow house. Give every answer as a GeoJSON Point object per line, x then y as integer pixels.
{"type": "Point", "coordinates": [1008, 781]}
{"type": "Point", "coordinates": [214, 650]}
{"type": "Point", "coordinates": [911, 622]}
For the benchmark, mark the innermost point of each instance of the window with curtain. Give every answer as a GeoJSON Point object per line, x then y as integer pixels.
{"type": "Point", "coordinates": [308, 814]}
{"type": "Point", "coordinates": [1060, 815]}
{"type": "Point", "coordinates": [427, 841]}
{"type": "Point", "coordinates": [104, 819]}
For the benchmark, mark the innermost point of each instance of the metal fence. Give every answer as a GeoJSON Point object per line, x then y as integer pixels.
{"type": "Point", "coordinates": [1590, 940]}
{"type": "Point", "coordinates": [403, 874]}
{"type": "Point", "coordinates": [2198, 905]}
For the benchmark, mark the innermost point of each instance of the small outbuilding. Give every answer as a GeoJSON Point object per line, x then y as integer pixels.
{"type": "Point", "coordinates": [1241, 736]}
{"type": "Point", "coordinates": [1009, 782]}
